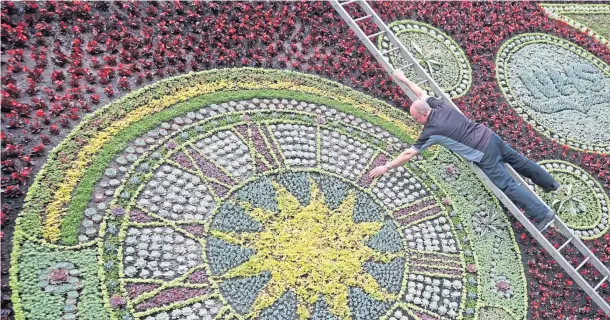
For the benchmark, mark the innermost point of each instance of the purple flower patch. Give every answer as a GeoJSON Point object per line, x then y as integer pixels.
{"type": "Point", "coordinates": [424, 316]}
{"type": "Point", "coordinates": [414, 208]}
{"type": "Point", "coordinates": [118, 211]}
{"type": "Point", "coordinates": [169, 296]}
{"type": "Point", "coordinates": [209, 169]}
{"type": "Point", "coordinates": [183, 160]}
{"type": "Point", "coordinates": [243, 130]}
{"type": "Point", "coordinates": [195, 229]}
{"type": "Point", "coordinates": [136, 289]}
{"type": "Point", "coordinates": [140, 217]}
{"type": "Point", "coordinates": [218, 189]}
{"type": "Point", "coordinates": [421, 215]}
{"type": "Point", "coordinates": [117, 301]}
{"type": "Point", "coordinates": [365, 181]}
{"type": "Point", "coordinates": [274, 147]}
{"type": "Point", "coordinates": [198, 277]}
{"type": "Point", "coordinates": [261, 146]}
{"type": "Point", "coordinates": [261, 167]}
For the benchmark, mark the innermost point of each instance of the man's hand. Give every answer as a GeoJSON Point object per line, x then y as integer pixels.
{"type": "Point", "coordinates": [400, 75]}
{"type": "Point", "coordinates": [417, 91]}
{"type": "Point", "coordinates": [378, 171]}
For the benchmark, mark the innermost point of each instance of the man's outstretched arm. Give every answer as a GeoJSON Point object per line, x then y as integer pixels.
{"type": "Point", "coordinates": [417, 91]}
{"type": "Point", "coordinates": [397, 162]}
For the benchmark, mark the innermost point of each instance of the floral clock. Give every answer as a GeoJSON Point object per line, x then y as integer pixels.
{"type": "Point", "coordinates": [243, 193]}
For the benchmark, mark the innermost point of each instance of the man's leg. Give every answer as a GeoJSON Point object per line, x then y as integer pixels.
{"type": "Point", "coordinates": [493, 167]}
{"type": "Point", "coordinates": [527, 167]}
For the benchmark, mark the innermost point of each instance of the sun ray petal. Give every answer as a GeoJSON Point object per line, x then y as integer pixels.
{"type": "Point", "coordinates": [287, 204]}
{"type": "Point", "coordinates": [242, 238]}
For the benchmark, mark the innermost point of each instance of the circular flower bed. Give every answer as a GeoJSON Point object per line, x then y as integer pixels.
{"type": "Point", "coordinates": [580, 201]}
{"type": "Point", "coordinates": [439, 55]}
{"type": "Point", "coordinates": [234, 204]}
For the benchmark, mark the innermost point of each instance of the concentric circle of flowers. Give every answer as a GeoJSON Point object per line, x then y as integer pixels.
{"type": "Point", "coordinates": [178, 192]}
{"type": "Point", "coordinates": [436, 52]}
{"type": "Point", "coordinates": [186, 177]}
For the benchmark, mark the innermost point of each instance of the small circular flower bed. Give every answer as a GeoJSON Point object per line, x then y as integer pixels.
{"type": "Point", "coordinates": [435, 51]}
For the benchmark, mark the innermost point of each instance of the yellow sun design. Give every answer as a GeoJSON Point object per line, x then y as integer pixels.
{"type": "Point", "coordinates": [312, 250]}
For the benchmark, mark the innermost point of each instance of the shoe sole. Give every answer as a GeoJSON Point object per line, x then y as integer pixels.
{"type": "Point", "coordinates": [546, 225]}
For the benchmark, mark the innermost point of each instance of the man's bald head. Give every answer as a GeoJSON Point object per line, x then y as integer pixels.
{"type": "Point", "coordinates": [419, 111]}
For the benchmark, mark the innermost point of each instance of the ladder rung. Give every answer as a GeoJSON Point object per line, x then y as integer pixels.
{"type": "Point", "coordinates": [388, 51]}
{"type": "Point", "coordinates": [422, 82]}
{"type": "Point", "coordinates": [405, 66]}
{"type": "Point", "coordinates": [600, 283]}
{"type": "Point", "coordinates": [565, 244]}
{"type": "Point", "coordinates": [375, 34]}
{"type": "Point", "coordinates": [348, 2]}
{"type": "Point", "coordinates": [360, 19]}
{"type": "Point", "coordinates": [582, 263]}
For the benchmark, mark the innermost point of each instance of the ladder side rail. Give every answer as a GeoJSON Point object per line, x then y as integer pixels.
{"type": "Point", "coordinates": [403, 50]}
{"type": "Point", "coordinates": [369, 44]}
{"type": "Point", "coordinates": [572, 272]}
{"type": "Point", "coordinates": [563, 228]}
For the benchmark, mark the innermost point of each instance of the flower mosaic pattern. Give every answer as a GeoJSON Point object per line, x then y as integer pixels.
{"type": "Point", "coordinates": [438, 54]}
{"type": "Point", "coordinates": [559, 88]}
{"type": "Point", "coordinates": [203, 198]}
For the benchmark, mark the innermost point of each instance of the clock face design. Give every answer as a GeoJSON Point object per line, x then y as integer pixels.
{"type": "Point", "coordinates": [242, 201]}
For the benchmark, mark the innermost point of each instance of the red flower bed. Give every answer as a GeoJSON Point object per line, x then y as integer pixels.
{"type": "Point", "coordinates": [63, 59]}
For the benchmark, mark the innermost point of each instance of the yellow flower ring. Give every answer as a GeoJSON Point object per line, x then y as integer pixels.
{"type": "Point", "coordinates": [242, 193]}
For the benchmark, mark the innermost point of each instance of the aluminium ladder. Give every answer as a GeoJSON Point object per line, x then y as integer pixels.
{"type": "Point", "coordinates": [589, 257]}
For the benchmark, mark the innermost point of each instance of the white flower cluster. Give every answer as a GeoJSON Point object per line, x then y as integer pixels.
{"type": "Point", "coordinates": [198, 311]}
{"type": "Point", "coordinates": [159, 253]}
{"type": "Point", "coordinates": [229, 152]}
{"type": "Point", "coordinates": [298, 144]}
{"type": "Point", "coordinates": [344, 155]}
{"type": "Point", "coordinates": [398, 187]}
{"type": "Point", "coordinates": [399, 314]}
{"type": "Point", "coordinates": [439, 296]}
{"type": "Point", "coordinates": [432, 235]}
{"type": "Point", "coordinates": [177, 195]}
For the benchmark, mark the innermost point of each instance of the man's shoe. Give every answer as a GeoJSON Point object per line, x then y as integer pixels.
{"type": "Point", "coordinates": [554, 187]}
{"type": "Point", "coordinates": [546, 221]}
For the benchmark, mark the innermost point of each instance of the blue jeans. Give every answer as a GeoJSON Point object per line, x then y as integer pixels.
{"type": "Point", "coordinates": [492, 163]}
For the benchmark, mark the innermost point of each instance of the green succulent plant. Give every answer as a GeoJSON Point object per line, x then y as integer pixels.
{"type": "Point", "coordinates": [425, 58]}
{"type": "Point", "coordinates": [568, 200]}
{"type": "Point", "coordinates": [486, 222]}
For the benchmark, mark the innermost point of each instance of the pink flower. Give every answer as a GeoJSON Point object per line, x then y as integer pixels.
{"type": "Point", "coordinates": [117, 301]}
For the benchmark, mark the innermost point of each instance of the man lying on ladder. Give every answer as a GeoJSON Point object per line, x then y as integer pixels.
{"type": "Point", "coordinates": [475, 142]}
